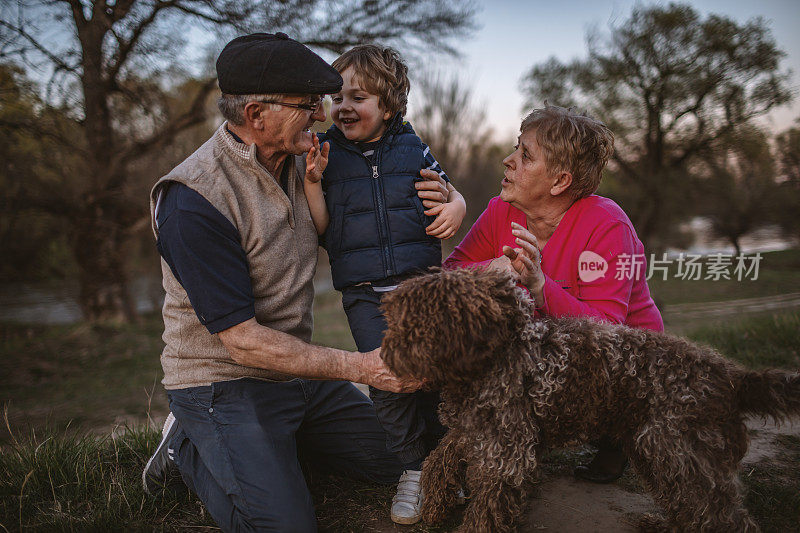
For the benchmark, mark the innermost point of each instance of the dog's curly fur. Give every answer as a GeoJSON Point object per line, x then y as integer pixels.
{"type": "Point", "coordinates": [513, 386]}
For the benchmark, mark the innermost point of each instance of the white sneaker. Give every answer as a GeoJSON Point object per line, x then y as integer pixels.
{"type": "Point", "coordinates": [155, 474]}
{"type": "Point", "coordinates": [407, 503]}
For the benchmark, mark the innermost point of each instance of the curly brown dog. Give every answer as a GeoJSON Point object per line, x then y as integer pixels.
{"type": "Point", "coordinates": [513, 386]}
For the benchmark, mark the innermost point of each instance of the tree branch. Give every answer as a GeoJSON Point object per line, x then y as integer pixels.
{"type": "Point", "coordinates": [39, 47]}
{"type": "Point", "coordinates": [77, 14]}
{"type": "Point", "coordinates": [626, 167]}
{"type": "Point", "coordinates": [120, 9]}
{"type": "Point", "coordinates": [53, 205]}
{"type": "Point", "coordinates": [43, 131]}
{"type": "Point", "coordinates": [193, 116]}
{"type": "Point", "coordinates": [221, 19]}
{"type": "Point", "coordinates": [704, 142]}
{"type": "Point", "coordinates": [125, 47]}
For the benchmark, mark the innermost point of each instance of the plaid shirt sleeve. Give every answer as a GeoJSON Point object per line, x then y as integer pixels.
{"type": "Point", "coordinates": [432, 164]}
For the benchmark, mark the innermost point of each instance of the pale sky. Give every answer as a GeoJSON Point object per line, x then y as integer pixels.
{"type": "Point", "coordinates": [518, 34]}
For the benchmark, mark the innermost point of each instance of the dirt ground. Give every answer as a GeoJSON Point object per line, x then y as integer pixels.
{"type": "Point", "coordinates": [569, 506]}
{"type": "Point", "coordinates": [565, 505]}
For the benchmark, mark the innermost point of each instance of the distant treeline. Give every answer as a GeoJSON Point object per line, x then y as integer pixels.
{"type": "Point", "coordinates": [78, 153]}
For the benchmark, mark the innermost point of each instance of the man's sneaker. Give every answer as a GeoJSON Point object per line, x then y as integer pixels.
{"type": "Point", "coordinates": [407, 503]}
{"type": "Point", "coordinates": [157, 471]}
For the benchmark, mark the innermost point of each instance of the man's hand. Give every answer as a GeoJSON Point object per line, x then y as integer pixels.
{"type": "Point", "coordinates": [253, 345]}
{"type": "Point", "coordinates": [377, 374]}
{"type": "Point", "coordinates": [316, 160]}
{"type": "Point", "coordinates": [433, 191]}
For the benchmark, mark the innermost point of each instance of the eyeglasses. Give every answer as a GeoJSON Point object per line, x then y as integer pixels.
{"type": "Point", "coordinates": [307, 106]}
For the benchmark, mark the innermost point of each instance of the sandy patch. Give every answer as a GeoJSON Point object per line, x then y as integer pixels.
{"type": "Point", "coordinates": [566, 505]}
{"type": "Point", "coordinates": [762, 437]}
{"type": "Point", "coordinates": [570, 506]}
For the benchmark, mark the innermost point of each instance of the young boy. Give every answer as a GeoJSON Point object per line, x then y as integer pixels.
{"type": "Point", "coordinates": [377, 231]}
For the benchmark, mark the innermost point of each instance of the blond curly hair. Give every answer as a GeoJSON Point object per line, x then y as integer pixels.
{"type": "Point", "coordinates": [379, 71]}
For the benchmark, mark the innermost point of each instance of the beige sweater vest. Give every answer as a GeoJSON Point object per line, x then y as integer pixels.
{"type": "Point", "coordinates": [280, 241]}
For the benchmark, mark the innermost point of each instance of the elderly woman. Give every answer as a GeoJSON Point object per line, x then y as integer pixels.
{"type": "Point", "coordinates": [576, 252]}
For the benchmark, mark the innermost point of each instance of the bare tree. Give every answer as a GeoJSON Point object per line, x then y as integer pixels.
{"type": "Point", "coordinates": [739, 187]}
{"type": "Point", "coordinates": [669, 83]}
{"type": "Point", "coordinates": [112, 65]}
{"type": "Point", "coordinates": [448, 119]}
{"type": "Point", "coordinates": [788, 156]}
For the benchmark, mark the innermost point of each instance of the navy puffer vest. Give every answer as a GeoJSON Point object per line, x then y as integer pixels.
{"type": "Point", "coordinates": [377, 224]}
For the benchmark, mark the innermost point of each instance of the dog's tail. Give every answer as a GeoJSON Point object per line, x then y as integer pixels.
{"type": "Point", "coordinates": [772, 393]}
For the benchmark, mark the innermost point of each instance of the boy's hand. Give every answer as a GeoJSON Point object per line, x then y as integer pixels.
{"type": "Point", "coordinates": [448, 219]}
{"type": "Point", "coordinates": [316, 160]}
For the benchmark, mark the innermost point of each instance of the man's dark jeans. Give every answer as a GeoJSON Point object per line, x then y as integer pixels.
{"type": "Point", "coordinates": [410, 420]}
{"type": "Point", "coordinates": [239, 442]}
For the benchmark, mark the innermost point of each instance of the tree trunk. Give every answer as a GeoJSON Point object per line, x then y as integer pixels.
{"type": "Point", "coordinates": [99, 236]}
{"type": "Point", "coordinates": [98, 246]}
{"type": "Point", "coordinates": [649, 211]}
{"type": "Point", "coordinates": [736, 246]}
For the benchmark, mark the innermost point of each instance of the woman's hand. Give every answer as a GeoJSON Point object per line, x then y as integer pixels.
{"type": "Point", "coordinates": [526, 261]}
{"type": "Point", "coordinates": [502, 264]}
{"type": "Point", "coordinates": [316, 160]}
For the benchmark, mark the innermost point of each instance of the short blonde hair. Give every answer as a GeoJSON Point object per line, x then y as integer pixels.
{"type": "Point", "coordinates": [572, 142]}
{"type": "Point", "coordinates": [379, 71]}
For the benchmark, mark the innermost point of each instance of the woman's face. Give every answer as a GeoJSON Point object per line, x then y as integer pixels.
{"type": "Point", "coordinates": [527, 182]}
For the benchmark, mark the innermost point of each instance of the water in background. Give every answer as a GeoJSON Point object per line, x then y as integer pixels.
{"type": "Point", "coordinates": [57, 302]}
{"type": "Point", "coordinates": [766, 239]}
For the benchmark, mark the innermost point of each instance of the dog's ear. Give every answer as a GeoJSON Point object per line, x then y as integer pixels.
{"type": "Point", "coordinates": [452, 326]}
{"type": "Point", "coordinates": [412, 328]}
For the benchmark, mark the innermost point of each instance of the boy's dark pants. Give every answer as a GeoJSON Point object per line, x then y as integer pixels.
{"type": "Point", "coordinates": [238, 444]}
{"type": "Point", "coordinates": [410, 420]}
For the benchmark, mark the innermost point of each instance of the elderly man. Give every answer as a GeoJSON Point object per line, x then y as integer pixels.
{"type": "Point", "coordinates": [238, 254]}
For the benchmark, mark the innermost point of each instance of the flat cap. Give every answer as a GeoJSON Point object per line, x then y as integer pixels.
{"type": "Point", "coordinates": [273, 63]}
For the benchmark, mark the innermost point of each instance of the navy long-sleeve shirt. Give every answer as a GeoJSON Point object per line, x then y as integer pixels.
{"type": "Point", "coordinates": [203, 250]}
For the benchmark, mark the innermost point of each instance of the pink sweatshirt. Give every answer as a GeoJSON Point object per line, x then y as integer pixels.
{"type": "Point", "coordinates": [593, 232]}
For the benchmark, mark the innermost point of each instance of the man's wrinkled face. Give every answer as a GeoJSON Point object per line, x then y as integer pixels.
{"type": "Point", "coordinates": [286, 129]}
